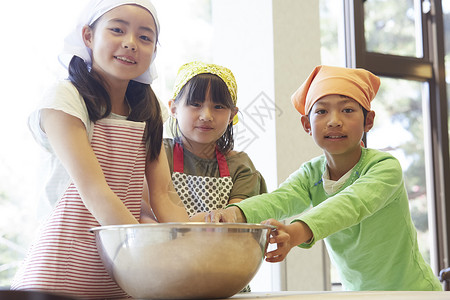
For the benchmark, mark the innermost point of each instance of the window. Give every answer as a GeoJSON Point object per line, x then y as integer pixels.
{"type": "Point", "coordinates": [393, 29]}
{"type": "Point", "coordinates": [399, 129]}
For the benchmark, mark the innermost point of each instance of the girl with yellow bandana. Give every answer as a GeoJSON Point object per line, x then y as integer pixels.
{"type": "Point", "coordinates": [207, 173]}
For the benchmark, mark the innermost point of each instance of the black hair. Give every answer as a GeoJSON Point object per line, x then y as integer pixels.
{"type": "Point", "coordinates": [364, 110]}
{"type": "Point", "coordinates": [141, 98]}
{"type": "Point", "coordinates": [195, 91]}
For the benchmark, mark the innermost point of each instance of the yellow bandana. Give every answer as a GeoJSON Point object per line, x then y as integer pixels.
{"type": "Point", "coordinates": [189, 70]}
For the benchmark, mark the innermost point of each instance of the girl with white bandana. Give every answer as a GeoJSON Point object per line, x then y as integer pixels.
{"type": "Point", "coordinates": [102, 130]}
{"type": "Point", "coordinates": [206, 172]}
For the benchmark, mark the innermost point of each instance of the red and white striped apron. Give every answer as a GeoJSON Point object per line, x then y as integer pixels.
{"type": "Point", "coordinates": [64, 259]}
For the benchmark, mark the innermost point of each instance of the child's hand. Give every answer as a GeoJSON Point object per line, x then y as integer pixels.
{"type": "Point", "coordinates": [199, 217]}
{"type": "Point", "coordinates": [231, 214]}
{"type": "Point", "coordinates": [286, 237]}
{"type": "Point", "coordinates": [281, 237]}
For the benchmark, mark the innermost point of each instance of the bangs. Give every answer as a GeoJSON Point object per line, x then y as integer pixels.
{"type": "Point", "coordinates": [197, 87]}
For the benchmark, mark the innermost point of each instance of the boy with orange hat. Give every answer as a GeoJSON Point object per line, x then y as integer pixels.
{"type": "Point", "coordinates": [351, 196]}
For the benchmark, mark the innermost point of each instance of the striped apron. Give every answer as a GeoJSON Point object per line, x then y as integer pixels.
{"type": "Point", "coordinates": [64, 259]}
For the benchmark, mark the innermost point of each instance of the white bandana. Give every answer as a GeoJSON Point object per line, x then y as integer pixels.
{"type": "Point", "coordinates": [74, 44]}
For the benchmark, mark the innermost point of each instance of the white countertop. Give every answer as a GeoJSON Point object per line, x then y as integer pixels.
{"type": "Point", "coordinates": [388, 295]}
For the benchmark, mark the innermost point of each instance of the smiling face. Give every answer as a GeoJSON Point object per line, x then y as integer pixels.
{"type": "Point", "coordinates": [201, 120]}
{"type": "Point", "coordinates": [336, 124]}
{"type": "Point", "coordinates": [122, 41]}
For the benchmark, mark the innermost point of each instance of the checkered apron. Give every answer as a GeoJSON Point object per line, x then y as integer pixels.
{"type": "Point", "coordinates": [201, 193]}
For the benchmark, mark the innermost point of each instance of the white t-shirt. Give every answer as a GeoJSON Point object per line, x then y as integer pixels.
{"type": "Point", "coordinates": [332, 186]}
{"type": "Point", "coordinates": [65, 97]}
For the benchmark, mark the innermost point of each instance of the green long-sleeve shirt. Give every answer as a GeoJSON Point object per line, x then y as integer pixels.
{"type": "Point", "coordinates": [366, 224]}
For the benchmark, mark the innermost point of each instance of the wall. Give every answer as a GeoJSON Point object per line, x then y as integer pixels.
{"type": "Point", "coordinates": [296, 52]}
{"type": "Point", "coordinates": [271, 47]}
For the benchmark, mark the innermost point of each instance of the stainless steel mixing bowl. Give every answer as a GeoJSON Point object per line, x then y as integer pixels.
{"type": "Point", "coordinates": [182, 260]}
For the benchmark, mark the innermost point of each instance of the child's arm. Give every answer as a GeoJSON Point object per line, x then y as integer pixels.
{"type": "Point", "coordinates": [199, 217]}
{"type": "Point", "coordinates": [69, 140]}
{"type": "Point", "coordinates": [286, 237]}
{"type": "Point", "coordinates": [147, 215]}
{"type": "Point", "coordinates": [164, 200]}
{"type": "Point", "coordinates": [235, 200]}
{"type": "Point", "coordinates": [215, 215]}
{"type": "Point", "coordinates": [232, 214]}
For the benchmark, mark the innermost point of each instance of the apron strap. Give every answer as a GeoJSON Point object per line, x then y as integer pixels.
{"type": "Point", "coordinates": [222, 162]}
{"type": "Point", "coordinates": [178, 161]}
{"type": "Point", "coordinates": [178, 158]}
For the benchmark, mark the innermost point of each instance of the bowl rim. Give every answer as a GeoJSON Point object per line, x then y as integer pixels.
{"type": "Point", "coordinates": [185, 225]}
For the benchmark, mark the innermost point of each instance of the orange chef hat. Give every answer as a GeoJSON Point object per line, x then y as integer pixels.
{"type": "Point", "coordinates": [358, 84]}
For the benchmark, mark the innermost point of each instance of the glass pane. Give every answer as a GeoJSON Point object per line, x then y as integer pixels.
{"type": "Point", "coordinates": [393, 27]}
{"type": "Point", "coordinates": [332, 51]}
{"type": "Point", "coordinates": [399, 130]}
